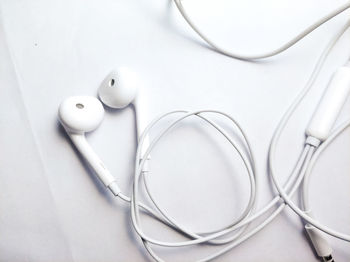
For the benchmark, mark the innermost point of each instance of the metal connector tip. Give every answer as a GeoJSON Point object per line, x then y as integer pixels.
{"type": "Point", "coordinates": [328, 259]}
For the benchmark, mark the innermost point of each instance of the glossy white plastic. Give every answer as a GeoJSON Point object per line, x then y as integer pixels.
{"type": "Point", "coordinates": [330, 105]}
{"type": "Point", "coordinates": [119, 88]}
{"type": "Point", "coordinates": [81, 114]}
{"type": "Point", "coordinates": [321, 245]}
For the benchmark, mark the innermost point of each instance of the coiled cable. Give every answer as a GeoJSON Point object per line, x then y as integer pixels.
{"type": "Point", "coordinates": [301, 169]}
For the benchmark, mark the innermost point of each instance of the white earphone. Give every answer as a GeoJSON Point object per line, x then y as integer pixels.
{"type": "Point", "coordinates": [81, 114]}
{"type": "Point", "coordinates": [119, 89]}
{"type": "Point", "coordinates": [84, 114]}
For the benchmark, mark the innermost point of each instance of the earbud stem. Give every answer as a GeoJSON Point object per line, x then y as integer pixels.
{"type": "Point", "coordinates": [94, 161]}
{"type": "Point", "coordinates": [141, 121]}
{"type": "Point", "coordinates": [141, 124]}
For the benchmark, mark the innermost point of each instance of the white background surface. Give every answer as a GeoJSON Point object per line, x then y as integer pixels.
{"type": "Point", "coordinates": [52, 208]}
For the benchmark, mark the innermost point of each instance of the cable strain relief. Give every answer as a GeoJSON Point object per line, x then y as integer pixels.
{"type": "Point", "coordinates": [312, 141]}
{"type": "Point", "coordinates": [145, 168]}
{"type": "Point", "coordinates": [114, 188]}
{"type": "Point", "coordinates": [319, 242]}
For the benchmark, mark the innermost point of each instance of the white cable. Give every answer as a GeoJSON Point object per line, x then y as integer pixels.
{"type": "Point", "coordinates": [249, 219]}
{"type": "Point", "coordinates": [318, 153]}
{"type": "Point", "coordinates": [238, 226]}
{"type": "Point", "coordinates": [306, 155]}
{"type": "Point", "coordinates": [296, 209]}
{"type": "Point", "coordinates": [318, 239]}
{"type": "Point", "coordinates": [302, 214]}
{"type": "Point", "coordinates": [278, 132]}
{"type": "Point", "coordinates": [284, 47]}
{"type": "Point", "coordinates": [247, 160]}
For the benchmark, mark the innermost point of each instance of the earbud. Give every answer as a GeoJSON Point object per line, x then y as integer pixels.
{"type": "Point", "coordinates": [81, 114]}
{"type": "Point", "coordinates": [119, 88]}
